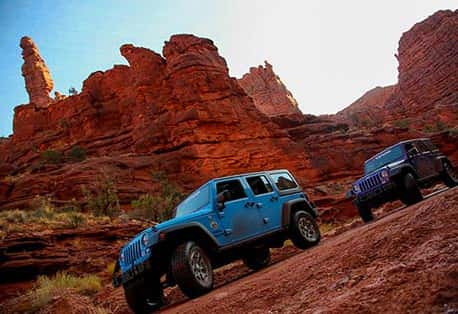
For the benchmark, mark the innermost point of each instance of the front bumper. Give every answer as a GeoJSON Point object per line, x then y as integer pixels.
{"type": "Point", "coordinates": [379, 195]}
{"type": "Point", "coordinates": [119, 279]}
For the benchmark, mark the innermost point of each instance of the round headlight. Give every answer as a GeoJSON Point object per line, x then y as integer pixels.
{"type": "Point", "coordinates": [385, 175]}
{"type": "Point", "coordinates": [145, 239]}
{"type": "Point", "coordinates": [122, 257]}
{"type": "Point", "coordinates": [356, 188]}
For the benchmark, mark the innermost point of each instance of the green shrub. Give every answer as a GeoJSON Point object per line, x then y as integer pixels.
{"type": "Point", "coordinates": [14, 216]}
{"type": "Point", "coordinates": [73, 219]}
{"type": "Point", "coordinates": [48, 288]}
{"type": "Point", "coordinates": [454, 131]}
{"type": "Point", "coordinates": [42, 214]}
{"type": "Point", "coordinates": [51, 157]}
{"type": "Point", "coordinates": [158, 207]}
{"type": "Point", "coordinates": [403, 123]}
{"type": "Point", "coordinates": [76, 154]}
{"type": "Point", "coordinates": [104, 201]}
{"type": "Point", "coordinates": [438, 126]}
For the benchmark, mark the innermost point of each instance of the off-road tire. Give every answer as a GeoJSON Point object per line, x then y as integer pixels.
{"type": "Point", "coordinates": [192, 269]}
{"type": "Point", "coordinates": [364, 211]}
{"type": "Point", "coordinates": [304, 231]}
{"type": "Point", "coordinates": [144, 295]}
{"type": "Point", "coordinates": [257, 258]}
{"type": "Point", "coordinates": [449, 175]}
{"type": "Point", "coordinates": [410, 192]}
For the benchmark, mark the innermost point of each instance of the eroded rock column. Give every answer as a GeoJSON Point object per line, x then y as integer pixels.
{"type": "Point", "coordinates": [38, 81]}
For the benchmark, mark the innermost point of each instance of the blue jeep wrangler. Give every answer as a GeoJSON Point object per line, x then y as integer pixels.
{"type": "Point", "coordinates": [236, 217]}
{"type": "Point", "coordinates": [398, 173]}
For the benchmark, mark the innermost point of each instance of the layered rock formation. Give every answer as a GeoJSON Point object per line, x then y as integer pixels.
{"type": "Point", "coordinates": [180, 113]}
{"type": "Point", "coordinates": [426, 95]}
{"type": "Point", "coordinates": [365, 111]}
{"type": "Point", "coordinates": [270, 95]}
{"type": "Point", "coordinates": [38, 81]}
{"type": "Point", "coordinates": [428, 63]}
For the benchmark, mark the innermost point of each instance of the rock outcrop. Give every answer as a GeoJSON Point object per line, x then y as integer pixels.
{"type": "Point", "coordinates": [426, 95]}
{"type": "Point", "coordinates": [428, 63]}
{"type": "Point", "coordinates": [366, 110]}
{"type": "Point", "coordinates": [38, 81]}
{"type": "Point", "coordinates": [182, 114]}
{"type": "Point", "coordinates": [270, 95]}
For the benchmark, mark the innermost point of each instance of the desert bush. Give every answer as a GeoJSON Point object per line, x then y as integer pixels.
{"type": "Point", "coordinates": [110, 268]}
{"type": "Point", "coordinates": [13, 216]}
{"type": "Point", "coordinates": [73, 219]}
{"type": "Point", "coordinates": [42, 214]}
{"type": "Point", "coordinates": [51, 157]}
{"type": "Point", "coordinates": [161, 206]}
{"type": "Point", "coordinates": [438, 126]}
{"type": "Point", "coordinates": [403, 123]}
{"type": "Point", "coordinates": [104, 200]}
{"type": "Point", "coordinates": [76, 154]}
{"type": "Point", "coordinates": [454, 131]}
{"type": "Point", "coordinates": [48, 288]}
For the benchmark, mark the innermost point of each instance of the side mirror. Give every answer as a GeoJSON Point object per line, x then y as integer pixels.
{"type": "Point", "coordinates": [222, 197]}
{"type": "Point", "coordinates": [349, 194]}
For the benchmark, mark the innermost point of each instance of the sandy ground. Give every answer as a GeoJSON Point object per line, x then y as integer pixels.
{"type": "Point", "coordinates": [404, 262]}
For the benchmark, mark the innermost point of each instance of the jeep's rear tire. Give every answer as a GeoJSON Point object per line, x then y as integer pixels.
{"type": "Point", "coordinates": [192, 269]}
{"type": "Point", "coordinates": [304, 231]}
{"type": "Point", "coordinates": [410, 192]}
{"type": "Point", "coordinates": [449, 175]}
{"type": "Point", "coordinates": [143, 296]}
{"type": "Point", "coordinates": [364, 211]}
{"type": "Point", "coordinates": [257, 258]}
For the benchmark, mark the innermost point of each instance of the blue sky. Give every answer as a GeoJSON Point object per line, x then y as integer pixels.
{"type": "Point", "coordinates": [328, 53]}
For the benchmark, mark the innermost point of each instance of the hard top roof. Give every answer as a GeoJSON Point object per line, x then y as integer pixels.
{"type": "Point", "coordinates": [250, 174]}
{"type": "Point", "coordinates": [401, 142]}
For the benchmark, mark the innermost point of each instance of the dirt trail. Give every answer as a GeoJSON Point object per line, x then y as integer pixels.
{"type": "Point", "coordinates": [404, 262]}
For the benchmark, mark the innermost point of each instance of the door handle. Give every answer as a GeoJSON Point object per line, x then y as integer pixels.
{"type": "Point", "coordinates": [258, 205]}
{"type": "Point", "coordinates": [274, 198]}
{"type": "Point", "coordinates": [249, 204]}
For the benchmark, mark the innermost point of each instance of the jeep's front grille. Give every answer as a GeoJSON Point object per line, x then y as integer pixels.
{"type": "Point", "coordinates": [370, 182]}
{"type": "Point", "coordinates": [132, 252]}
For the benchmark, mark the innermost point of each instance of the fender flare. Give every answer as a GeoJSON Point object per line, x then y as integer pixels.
{"type": "Point", "coordinates": [440, 163]}
{"type": "Point", "coordinates": [172, 231]}
{"type": "Point", "coordinates": [401, 169]}
{"type": "Point", "coordinates": [287, 208]}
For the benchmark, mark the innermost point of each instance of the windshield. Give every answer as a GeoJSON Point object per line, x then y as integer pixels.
{"type": "Point", "coordinates": [384, 158]}
{"type": "Point", "coordinates": [194, 202]}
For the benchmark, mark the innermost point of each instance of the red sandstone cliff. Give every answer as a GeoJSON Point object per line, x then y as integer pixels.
{"type": "Point", "coordinates": [426, 94]}
{"type": "Point", "coordinates": [269, 94]}
{"type": "Point", "coordinates": [181, 113]}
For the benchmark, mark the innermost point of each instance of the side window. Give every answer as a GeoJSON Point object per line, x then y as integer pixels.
{"type": "Point", "coordinates": [234, 187]}
{"type": "Point", "coordinates": [259, 185]}
{"type": "Point", "coordinates": [283, 181]}
{"type": "Point", "coordinates": [422, 147]}
{"type": "Point", "coordinates": [411, 149]}
{"type": "Point", "coordinates": [430, 145]}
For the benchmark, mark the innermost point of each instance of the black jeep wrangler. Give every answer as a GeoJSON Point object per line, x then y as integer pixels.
{"type": "Point", "coordinates": [398, 173]}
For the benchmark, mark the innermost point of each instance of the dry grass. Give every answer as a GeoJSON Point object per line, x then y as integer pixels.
{"type": "Point", "coordinates": [48, 288]}
{"type": "Point", "coordinates": [44, 216]}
